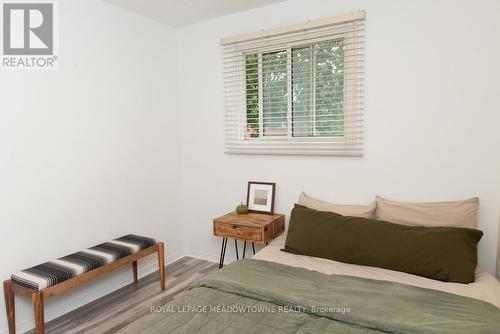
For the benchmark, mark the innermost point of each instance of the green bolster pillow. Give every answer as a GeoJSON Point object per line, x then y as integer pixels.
{"type": "Point", "coordinates": [447, 254]}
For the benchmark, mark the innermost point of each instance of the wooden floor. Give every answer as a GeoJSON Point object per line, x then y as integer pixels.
{"type": "Point", "coordinates": [114, 311]}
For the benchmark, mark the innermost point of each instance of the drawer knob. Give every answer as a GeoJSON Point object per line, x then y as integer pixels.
{"type": "Point", "coordinates": [236, 227]}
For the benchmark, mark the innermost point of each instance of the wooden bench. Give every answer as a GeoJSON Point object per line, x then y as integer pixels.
{"type": "Point", "coordinates": [39, 295]}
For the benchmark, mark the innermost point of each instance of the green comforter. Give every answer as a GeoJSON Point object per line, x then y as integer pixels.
{"type": "Point", "coordinates": [252, 296]}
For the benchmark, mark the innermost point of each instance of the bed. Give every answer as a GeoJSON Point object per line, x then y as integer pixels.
{"type": "Point", "coordinates": [412, 269]}
{"type": "Point", "coordinates": [278, 292]}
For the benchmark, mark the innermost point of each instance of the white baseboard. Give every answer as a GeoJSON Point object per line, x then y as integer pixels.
{"type": "Point", "coordinates": [203, 256]}
{"type": "Point", "coordinates": [69, 305]}
{"type": "Point", "coordinates": [176, 256]}
{"type": "Point", "coordinates": [211, 257]}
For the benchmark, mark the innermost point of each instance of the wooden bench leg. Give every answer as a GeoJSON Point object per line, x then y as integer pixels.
{"type": "Point", "coordinates": [10, 306]}
{"type": "Point", "coordinates": [134, 270]}
{"type": "Point", "coordinates": [37, 299]}
{"type": "Point", "coordinates": [161, 264]}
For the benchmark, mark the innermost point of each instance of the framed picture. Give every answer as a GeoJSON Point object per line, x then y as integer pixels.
{"type": "Point", "coordinates": [260, 197]}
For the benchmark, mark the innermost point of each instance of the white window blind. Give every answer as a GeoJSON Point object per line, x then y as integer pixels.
{"type": "Point", "coordinates": [297, 89]}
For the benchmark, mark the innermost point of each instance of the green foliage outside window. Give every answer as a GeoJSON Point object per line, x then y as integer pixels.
{"type": "Point", "coordinates": [317, 91]}
{"type": "Point", "coordinates": [252, 95]}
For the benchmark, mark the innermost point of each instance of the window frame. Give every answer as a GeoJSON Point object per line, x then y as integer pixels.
{"type": "Point", "coordinates": [241, 139]}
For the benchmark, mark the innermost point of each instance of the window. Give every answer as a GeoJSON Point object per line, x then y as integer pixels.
{"type": "Point", "coordinates": [298, 92]}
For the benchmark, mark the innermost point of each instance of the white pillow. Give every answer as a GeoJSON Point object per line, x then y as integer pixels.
{"type": "Point", "coordinates": [364, 211]}
{"type": "Point", "coordinates": [450, 214]}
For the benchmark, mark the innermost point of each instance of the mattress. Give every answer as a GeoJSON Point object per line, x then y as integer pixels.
{"type": "Point", "coordinates": [486, 287]}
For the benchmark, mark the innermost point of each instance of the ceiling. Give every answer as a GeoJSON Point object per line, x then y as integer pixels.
{"type": "Point", "coordinates": [178, 13]}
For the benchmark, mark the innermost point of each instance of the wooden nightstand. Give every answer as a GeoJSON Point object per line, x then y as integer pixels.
{"type": "Point", "coordinates": [252, 227]}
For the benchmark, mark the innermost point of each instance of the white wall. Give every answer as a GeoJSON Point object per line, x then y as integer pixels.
{"type": "Point", "coordinates": [432, 115]}
{"type": "Point", "coordinates": [89, 152]}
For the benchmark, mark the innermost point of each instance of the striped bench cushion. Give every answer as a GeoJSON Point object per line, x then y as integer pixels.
{"type": "Point", "coordinates": [53, 272]}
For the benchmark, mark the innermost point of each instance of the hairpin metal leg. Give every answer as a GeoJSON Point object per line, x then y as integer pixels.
{"type": "Point", "coordinates": [236, 248]}
{"type": "Point", "coordinates": [222, 252]}
{"type": "Point", "coordinates": [244, 249]}
{"type": "Point", "coordinates": [253, 247]}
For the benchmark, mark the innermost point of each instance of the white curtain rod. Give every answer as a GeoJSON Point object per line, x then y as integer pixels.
{"type": "Point", "coordinates": [320, 23]}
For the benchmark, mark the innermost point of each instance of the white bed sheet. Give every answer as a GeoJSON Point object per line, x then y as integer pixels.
{"type": "Point", "coordinates": [486, 287]}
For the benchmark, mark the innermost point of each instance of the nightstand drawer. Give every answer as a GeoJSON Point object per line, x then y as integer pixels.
{"type": "Point", "coordinates": [236, 231]}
